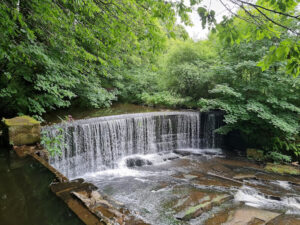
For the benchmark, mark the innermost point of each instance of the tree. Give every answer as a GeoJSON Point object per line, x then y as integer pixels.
{"type": "Point", "coordinates": [52, 52]}
{"type": "Point", "coordinates": [262, 105]}
{"type": "Point", "coordinates": [274, 19]}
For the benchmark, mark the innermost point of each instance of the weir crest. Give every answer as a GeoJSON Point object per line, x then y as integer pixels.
{"type": "Point", "coordinates": [97, 144]}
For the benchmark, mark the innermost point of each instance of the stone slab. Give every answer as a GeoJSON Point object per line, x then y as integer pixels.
{"type": "Point", "coordinates": [22, 130]}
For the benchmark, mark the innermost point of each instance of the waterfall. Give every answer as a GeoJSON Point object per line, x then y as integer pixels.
{"type": "Point", "coordinates": [99, 143]}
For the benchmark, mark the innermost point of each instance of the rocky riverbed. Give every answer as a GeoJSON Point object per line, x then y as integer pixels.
{"type": "Point", "coordinates": [200, 187]}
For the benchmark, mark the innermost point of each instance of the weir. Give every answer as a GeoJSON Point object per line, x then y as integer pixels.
{"type": "Point", "coordinates": [97, 144]}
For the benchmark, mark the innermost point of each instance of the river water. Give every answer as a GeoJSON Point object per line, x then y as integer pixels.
{"type": "Point", "coordinates": [25, 196]}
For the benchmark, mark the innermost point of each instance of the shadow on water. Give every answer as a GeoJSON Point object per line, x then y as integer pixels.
{"type": "Point", "coordinates": [25, 196]}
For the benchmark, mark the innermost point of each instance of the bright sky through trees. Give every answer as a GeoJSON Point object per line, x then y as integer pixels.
{"type": "Point", "coordinates": [196, 32]}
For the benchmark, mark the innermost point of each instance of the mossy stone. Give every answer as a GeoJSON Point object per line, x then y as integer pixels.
{"type": "Point", "coordinates": [255, 154]}
{"type": "Point", "coordinates": [282, 169]}
{"type": "Point", "coordinates": [22, 130]}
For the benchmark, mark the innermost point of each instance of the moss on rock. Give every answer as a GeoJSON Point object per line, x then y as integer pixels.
{"type": "Point", "coordinates": [282, 169]}
{"type": "Point", "coordinates": [257, 155]}
{"type": "Point", "coordinates": [22, 130]}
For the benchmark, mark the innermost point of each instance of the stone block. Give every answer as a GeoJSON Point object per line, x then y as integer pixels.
{"type": "Point", "coordinates": [22, 130]}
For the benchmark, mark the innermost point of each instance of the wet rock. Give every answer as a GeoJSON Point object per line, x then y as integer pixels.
{"type": "Point", "coordinates": [255, 154]}
{"type": "Point", "coordinates": [189, 176]}
{"type": "Point", "coordinates": [64, 191]}
{"type": "Point", "coordinates": [183, 153]}
{"type": "Point", "coordinates": [218, 218]}
{"type": "Point", "coordinates": [197, 210]}
{"type": "Point", "coordinates": [22, 130]}
{"type": "Point", "coordinates": [282, 169]}
{"type": "Point", "coordinates": [44, 154]}
{"type": "Point", "coordinates": [200, 152]}
{"type": "Point", "coordinates": [249, 216]}
{"type": "Point", "coordinates": [244, 176]}
{"type": "Point", "coordinates": [256, 221]}
{"type": "Point", "coordinates": [171, 158]}
{"type": "Point", "coordinates": [137, 162]}
{"type": "Point", "coordinates": [285, 220]}
{"type": "Point", "coordinates": [104, 209]}
{"type": "Point", "coordinates": [161, 186]}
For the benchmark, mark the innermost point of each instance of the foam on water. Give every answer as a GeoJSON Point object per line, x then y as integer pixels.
{"type": "Point", "coordinates": [283, 184]}
{"type": "Point", "coordinates": [251, 197]}
{"type": "Point", "coordinates": [122, 170]}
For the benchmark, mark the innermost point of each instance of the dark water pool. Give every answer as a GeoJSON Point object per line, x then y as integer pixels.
{"type": "Point", "coordinates": [25, 196]}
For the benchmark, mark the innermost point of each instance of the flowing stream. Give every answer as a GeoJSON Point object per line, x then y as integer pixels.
{"type": "Point", "coordinates": [170, 168]}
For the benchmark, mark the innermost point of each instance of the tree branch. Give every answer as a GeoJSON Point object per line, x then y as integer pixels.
{"type": "Point", "coordinates": [270, 10]}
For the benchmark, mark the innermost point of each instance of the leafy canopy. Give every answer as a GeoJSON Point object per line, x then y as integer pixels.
{"type": "Point", "coordinates": [52, 52]}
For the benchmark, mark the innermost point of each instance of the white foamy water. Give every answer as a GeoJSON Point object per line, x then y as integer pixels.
{"type": "Point", "coordinates": [251, 197]}
{"type": "Point", "coordinates": [283, 184]}
{"type": "Point", "coordinates": [122, 169]}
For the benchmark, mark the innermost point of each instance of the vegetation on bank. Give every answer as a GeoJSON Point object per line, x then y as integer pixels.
{"type": "Point", "coordinates": [57, 53]}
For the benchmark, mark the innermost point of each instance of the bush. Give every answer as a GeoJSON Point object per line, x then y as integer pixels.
{"type": "Point", "coordinates": [278, 157]}
{"type": "Point", "coordinates": [261, 105]}
{"type": "Point", "coordinates": [186, 69]}
{"type": "Point", "coordinates": [164, 98]}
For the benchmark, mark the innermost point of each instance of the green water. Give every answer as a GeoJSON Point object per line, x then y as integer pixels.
{"type": "Point", "coordinates": [82, 113]}
{"type": "Point", "coordinates": [25, 196]}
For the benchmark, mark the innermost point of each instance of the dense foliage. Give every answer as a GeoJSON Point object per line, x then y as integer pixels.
{"type": "Point", "coordinates": [54, 51]}
{"type": "Point", "coordinates": [261, 104]}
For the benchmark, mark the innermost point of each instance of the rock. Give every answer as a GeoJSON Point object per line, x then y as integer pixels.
{"type": "Point", "coordinates": [104, 209]}
{"type": "Point", "coordinates": [247, 215]}
{"type": "Point", "coordinates": [189, 176]}
{"type": "Point", "coordinates": [218, 218]}
{"type": "Point", "coordinates": [22, 130]}
{"type": "Point", "coordinates": [183, 153]}
{"type": "Point", "coordinates": [256, 221]}
{"type": "Point", "coordinates": [255, 154]}
{"type": "Point", "coordinates": [197, 210]}
{"type": "Point", "coordinates": [282, 169]}
{"type": "Point", "coordinates": [43, 153]}
{"type": "Point", "coordinates": [244, 176]}
{"type": "Point", "coordinates": [285, 220]}
{"type": "Point", "coordinates": [137, 162]}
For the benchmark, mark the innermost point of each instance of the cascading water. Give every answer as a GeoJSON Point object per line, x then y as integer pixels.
{"type": "Point", "coordinates": [98, 144]}
{"type": "Point", "coordinates": [168, 168]}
